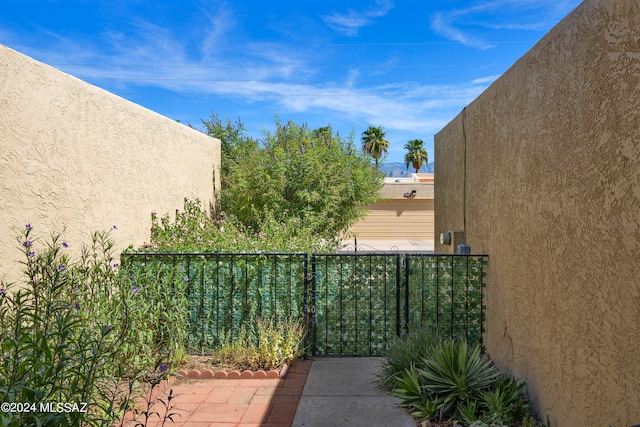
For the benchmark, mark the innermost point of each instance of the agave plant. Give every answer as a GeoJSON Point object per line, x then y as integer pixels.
{"type": "Point", "coordinates": [456, 375]}
{"type": "Point", "coordinates": [413, 395]}
{"type": "Point", "coordinates": [503, 403]}
{"type": "Point", "coordinates": [404, 352]}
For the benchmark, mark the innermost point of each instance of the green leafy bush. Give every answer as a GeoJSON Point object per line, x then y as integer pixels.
{"type": "Point", "coordinates": [193, 229]}
{"type": "Point", "coordinates": [316, 176]}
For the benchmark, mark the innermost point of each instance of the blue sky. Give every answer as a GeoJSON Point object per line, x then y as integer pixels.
{"type": "Point", "coordinates": [409, 66]}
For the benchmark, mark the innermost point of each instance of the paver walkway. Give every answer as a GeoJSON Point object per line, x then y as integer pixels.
{"type": "Point", "coordinates": [238, 402]}
{"type": "Point", "coordinates": [336, 392]}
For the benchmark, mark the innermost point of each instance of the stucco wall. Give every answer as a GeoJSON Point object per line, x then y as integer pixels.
{"type": "Point", "coordinates": [543, 173]}
{"type": "Point", "coordinates": [74, 157]}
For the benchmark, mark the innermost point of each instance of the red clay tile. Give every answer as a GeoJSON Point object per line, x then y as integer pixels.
{"type": "Point", "coordinates": [290, 389]}
{"type": "Point", "coordinates": [239, 402]}
{"type": "Point", "coordinates": [203, 424]}
{"type": "Point", "coordinates": [258, 425]}
{"type": "Point", "coordinates": [259, 374]}
{"type": "Point", "coordinates": [275, 398]}
{"type": "Point", "coordinates": [266, 382]}
{"type": "Point", "coordinates": [242, 395]}
{"type": "Point", "coordinates": [219, 412]}
{"type": "Point", "coordinates": [207, 373]}
{"type": "Point", "coordinates": [284, 371]}
{"type": "Point", "coordinates": [246, 374]}
{"type": "Point", "coordinates": [194, 373]}
{"type": "Point", "coordinates": [221, 395]}
{"type": "Point", "coordinates": [282, 413]}
{"type": "Point", "coordinates": [256, 413]}
{"type": "Point", "coordinates": [220, 375]}
{"type": "Point", "coordinates": [233, 374]}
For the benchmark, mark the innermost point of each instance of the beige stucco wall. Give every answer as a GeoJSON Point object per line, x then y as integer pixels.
{"type": "Point", "coordinates": [74, 157]}
{"type": "Point", "coordinates": [550, 189]}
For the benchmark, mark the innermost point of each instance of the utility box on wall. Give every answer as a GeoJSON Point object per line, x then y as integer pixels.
{"type": "Point", "coordinates": [451, 239]}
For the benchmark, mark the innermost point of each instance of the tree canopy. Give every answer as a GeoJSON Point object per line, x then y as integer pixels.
{"type": "Point", "coordinates": [373, 142]}
{"type": "Point", "coordinates": [294, 172]}
{"type": "Point", "coordinates": [416, 154]}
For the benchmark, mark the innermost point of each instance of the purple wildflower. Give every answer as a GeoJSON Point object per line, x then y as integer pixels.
{"type": "Point", "coordinates": [114, 227]}
{"type": "Point", "coordinates": [1, 291]}
{"type": "Point", "coordinates": [77, 306]}
{"type": "Point", "coordinates": [107, 328]}
{"type": "Point", "coordinates": [32, 254]}
{"type": "Point", "coordinates": [28, 227]}
{"type": "Point", "coordinates": [186, 278]}
{"type": "Point", "coordinates": [135, 290]}
{"type": "Point", "coordinates": [26, 244]}
{"type": "Point", "coordinates": [62, 268]}
{"type": "Point", "coordinates": [163, 367]}
{"type": "Point", "coordinates": [116, 265]}
{"type": "Point", "coordinates": [65, 245]}
{"type": "Point", "coordinates": [75, 289]}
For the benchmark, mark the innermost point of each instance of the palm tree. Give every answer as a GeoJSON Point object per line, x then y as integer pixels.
{"type": "Point", "coordinates": [373, 142]}
{"type": "Point", "coordinates": [416, 154]}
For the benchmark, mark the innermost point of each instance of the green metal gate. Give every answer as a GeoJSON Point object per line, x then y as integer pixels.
{"type": "Point", "coordinates": [360, 301]}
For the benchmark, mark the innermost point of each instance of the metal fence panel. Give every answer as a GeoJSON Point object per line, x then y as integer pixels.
{"type": "Point", "coordinates": [350, 303]}
{"type": "Point", "coordinates": [355, 299]}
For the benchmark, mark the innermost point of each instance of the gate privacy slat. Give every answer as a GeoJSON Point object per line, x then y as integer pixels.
{"type": "Point", "coordinates": [349, 303]}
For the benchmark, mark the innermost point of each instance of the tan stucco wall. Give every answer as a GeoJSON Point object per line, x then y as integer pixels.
{"type": "Point", "coordinates": [553, 196]}
{"type": "Point", "coordinates": [75, 157]}
{"type": "Point", "coordinates": [393, 190]}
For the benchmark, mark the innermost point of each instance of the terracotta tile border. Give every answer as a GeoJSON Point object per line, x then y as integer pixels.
{"type": "Point", "coordinates": [195, 374]}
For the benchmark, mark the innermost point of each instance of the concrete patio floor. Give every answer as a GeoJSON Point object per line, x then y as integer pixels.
{"type": "Point", "coordinates": [341, 392]}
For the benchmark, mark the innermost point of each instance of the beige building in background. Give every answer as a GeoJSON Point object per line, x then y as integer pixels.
{"type": "Point", "coordinates": [78, 159]}
{"type": "Point", "coordinates": [542, 172]}
{"type": "Point", "coordinates": [403, 220]}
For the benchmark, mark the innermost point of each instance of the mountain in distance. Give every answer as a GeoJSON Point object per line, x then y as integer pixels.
{"type": "Point", "coordinates": [399, 170]}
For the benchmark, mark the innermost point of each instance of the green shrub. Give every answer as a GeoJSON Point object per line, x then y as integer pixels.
{"type": "Point", "coordinates": [404, 352]}
{"type": "Point", "coordinates": [78, 332]}
{"type": "Point", "coordinates": [418, 401]}
{"type": "Point", "coordinates": [503, 402]}
{"type": "Point", "coordinates": [451, 380]}
{"type": "Point", "coordinates": [269, 344]}
{"type": "Point", "coordinates": [456, 374]}
{"type": "Point", "coordinates": [193, 229]}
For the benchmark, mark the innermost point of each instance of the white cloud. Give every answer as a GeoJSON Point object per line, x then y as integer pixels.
{"type": "Point", "coordinates": [381, 8]}
{"type": "Point", "coordinates": [350, 22]}
{"type": "Point", "coordinates": [220, 22]}
{"type": "Point", "coordinates": [277, 76]}
{"type": "Point", "coordinates": [464, 25]}
{"type": "Point", "coordinates": [444, 26]}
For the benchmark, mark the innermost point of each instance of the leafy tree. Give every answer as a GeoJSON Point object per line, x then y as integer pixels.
{"type": "Point", "coordinates": [373, 142]}
{"type": "Point", "coordinates": [313, 176]}
{"type": "Point", "coordinates": [416, 154]}
{"type": "Point", "coordinates": [230, 134]}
